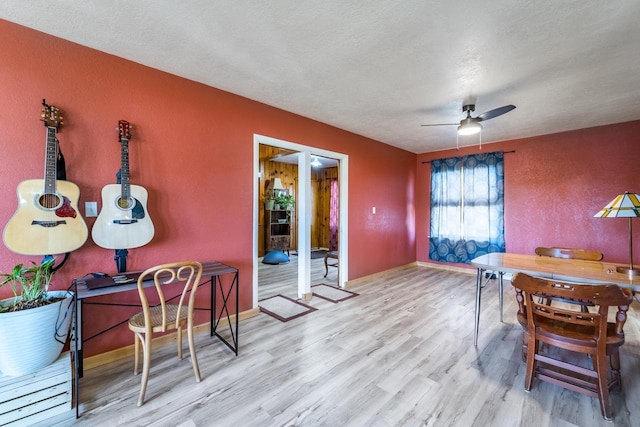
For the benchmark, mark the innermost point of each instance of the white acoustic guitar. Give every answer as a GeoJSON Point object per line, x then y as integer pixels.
{"type": "Point", "coordinates": [123, 222]}
{"type": "Point", "coordinates": [47, 221]}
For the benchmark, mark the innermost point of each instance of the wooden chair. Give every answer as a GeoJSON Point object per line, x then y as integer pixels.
{"type": "Point", "coordinates": [164, 316]}
{"type": "Point", "coordinates": [570, 329]}
{"type": "Point", "coordinates": [570, 253]}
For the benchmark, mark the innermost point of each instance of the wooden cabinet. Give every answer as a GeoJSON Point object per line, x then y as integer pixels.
{"type": "Point", "coordinates": [278, 230]}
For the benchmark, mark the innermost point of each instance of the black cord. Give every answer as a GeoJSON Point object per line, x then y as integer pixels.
{"type": "Point", "coordinates": [60, 322]}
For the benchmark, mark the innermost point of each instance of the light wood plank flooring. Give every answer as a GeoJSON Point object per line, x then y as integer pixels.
{"type": "Point", "coordinates": [283, 278]}
{"type": "Point", "coordinates": [400, 354]}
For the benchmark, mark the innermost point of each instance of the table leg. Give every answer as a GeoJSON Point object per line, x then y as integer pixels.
{"type": "Point", "coordinates": [224, 311]}
{"type": "Point", "coordinates": [500, 290]}
{"type": "Point", "coordinates": [478, 291]}
{"type": "Point", "coordinates": [212, 306]}
{"type": "Point", "coordinates": [76, 352]}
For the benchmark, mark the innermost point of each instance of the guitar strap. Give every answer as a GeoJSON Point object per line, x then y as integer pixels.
{"type": "Point", "coordinates": [121, 260]}
{"type": "Point", "coordinates": [60, 264]}
{"type": "Point", "coordinates": [120, 254]}
{"type": "Point", "coordinates": [61, 174]}
{"type": "Point", "coordinates": [61, 169]}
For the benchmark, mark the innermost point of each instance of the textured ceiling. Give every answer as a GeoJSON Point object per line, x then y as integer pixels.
{"type": "Point", "coordinates": [381, 68]}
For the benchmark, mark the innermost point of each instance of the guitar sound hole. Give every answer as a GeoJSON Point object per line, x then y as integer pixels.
{"type": "Point", "coordinates": [49, 201]}
{"type": "Point", "coordinates": [125, 203]}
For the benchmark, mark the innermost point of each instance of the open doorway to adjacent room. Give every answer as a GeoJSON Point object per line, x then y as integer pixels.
{"type": "Point", "coordinates": [292, 241]}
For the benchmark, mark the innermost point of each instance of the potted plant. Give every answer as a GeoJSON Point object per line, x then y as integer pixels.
{"type": "Point", "coordinates": [285, 201]}
{"type": "Point", "coordinates": [269, 200]}
{"type": "Point", "coordinates": [34, 324]}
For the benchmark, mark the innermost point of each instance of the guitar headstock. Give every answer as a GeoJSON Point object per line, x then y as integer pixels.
{"type": "Point", "coordinates": [124, 130]}
{"type": "Point", "coordinates": [51, 116]}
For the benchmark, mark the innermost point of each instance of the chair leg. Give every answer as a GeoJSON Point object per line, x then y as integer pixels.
{"type": "Point", "coordinates": [600, 366]}
{"type": "Point", "coordinates": [531, 362]}
{"type": "Point", "coordinates": [326, 266]}
{"type": "Point", "coordinates": [146, 365]}
{"type": "Point", "coordinates": [192, 351]}
{"type": "Point", "coordinates": [179, 339]}
{"type": "Point", "coordinates": [614, 360]}
{"type": "Point", "coordinates": [136, 352]}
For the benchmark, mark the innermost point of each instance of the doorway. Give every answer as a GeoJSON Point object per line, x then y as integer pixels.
{"type": "Point", "coordinates": [302, 242]}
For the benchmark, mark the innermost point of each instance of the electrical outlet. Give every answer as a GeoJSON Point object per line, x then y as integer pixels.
{"type": "Point", "coordinates": [90, 209]}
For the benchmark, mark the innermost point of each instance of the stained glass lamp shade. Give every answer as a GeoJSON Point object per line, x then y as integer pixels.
{"type": "Point", "coordinates": [626, 205]}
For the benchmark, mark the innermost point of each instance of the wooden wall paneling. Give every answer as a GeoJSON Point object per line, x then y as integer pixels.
{"type": "Point", "coordinates": [288, 174]}
{"type": "Point", "coordinates": [325, 197]}
{"type": "Point", "coordinates": [315, 209]}
{"type": "Point", "coordinates": [322, 197]}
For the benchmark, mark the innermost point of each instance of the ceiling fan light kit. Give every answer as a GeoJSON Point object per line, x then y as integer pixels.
{"type": "Point", "coordinates": [316, 163]}
{"type": "Point", "coordinates": [471, 125]}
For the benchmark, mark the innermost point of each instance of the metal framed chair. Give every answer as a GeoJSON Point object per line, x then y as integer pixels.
{"type": "Point", "coordinates": [569, 328]}
{"type": "Point", "coordinates": [330, 255]}
{"type": "Point", "coordinates": [165, 316]}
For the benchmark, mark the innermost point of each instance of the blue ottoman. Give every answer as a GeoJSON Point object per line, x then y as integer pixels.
{"type": "Point", "coordinates": [275, 257]}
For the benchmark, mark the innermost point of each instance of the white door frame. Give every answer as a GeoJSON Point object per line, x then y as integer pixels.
{"type": "Point", "coordinates": [304, 211]}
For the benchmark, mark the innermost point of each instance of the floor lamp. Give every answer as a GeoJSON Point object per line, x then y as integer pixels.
{"type": "Point", "coordinates": [626, 205]}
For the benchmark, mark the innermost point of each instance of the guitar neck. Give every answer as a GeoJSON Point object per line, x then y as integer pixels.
{"type": "Point", "coordinates": [51, 158]}
{"type": "Point", "coordinates": [124, 169]}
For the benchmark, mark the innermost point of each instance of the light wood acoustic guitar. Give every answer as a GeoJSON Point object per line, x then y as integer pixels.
{"type": "Point", "coordinates": [47, 220]}
{"type": "Point", "coordinates": [123, 222]}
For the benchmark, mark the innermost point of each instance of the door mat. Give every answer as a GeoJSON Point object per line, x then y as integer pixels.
{"type": "Point", "coordinates": [331, 293]}
{"type": "Point", "coordinates": [284, 308]}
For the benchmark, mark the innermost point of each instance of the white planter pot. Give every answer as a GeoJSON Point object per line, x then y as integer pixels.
{"type": "Point", "coordinates": [33, 339]}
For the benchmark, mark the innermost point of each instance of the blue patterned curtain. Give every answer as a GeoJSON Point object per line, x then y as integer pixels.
{"type": "Point", "coordinates": [467, 207]}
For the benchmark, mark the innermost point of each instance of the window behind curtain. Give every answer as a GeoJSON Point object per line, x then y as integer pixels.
{"type": "Point", "coordinates": [467, 207]}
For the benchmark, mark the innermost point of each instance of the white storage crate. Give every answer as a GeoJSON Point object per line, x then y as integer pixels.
{"type": "Point", "coordinates": [32, 398]}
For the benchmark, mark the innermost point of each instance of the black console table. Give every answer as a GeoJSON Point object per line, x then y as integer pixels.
{"type": "Point", "coordinates": [90, 287]}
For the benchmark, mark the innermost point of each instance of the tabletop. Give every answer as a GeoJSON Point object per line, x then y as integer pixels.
{"type": "Point", "coordinates": [209, 269]}
{"type": "Point", "coordinates": [557, 268]}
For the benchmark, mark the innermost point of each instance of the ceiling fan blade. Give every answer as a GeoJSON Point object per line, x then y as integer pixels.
{"type": "Point", "coordinates": [496, 112]}
{"type": "Point", "coordinates": [442, 124]}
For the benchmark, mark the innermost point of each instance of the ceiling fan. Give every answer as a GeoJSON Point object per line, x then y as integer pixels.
{"type": "Point", "coordinates": [471, 125]}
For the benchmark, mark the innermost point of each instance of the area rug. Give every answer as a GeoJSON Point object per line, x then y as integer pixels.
{"type": "Point", "coordinates": [331, 293]}
{"type": "Point", "coordinates": [284, 308]}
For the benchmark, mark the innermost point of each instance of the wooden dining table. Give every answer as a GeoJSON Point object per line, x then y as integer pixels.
{"type": "Point", "coordinates": [595, 272]}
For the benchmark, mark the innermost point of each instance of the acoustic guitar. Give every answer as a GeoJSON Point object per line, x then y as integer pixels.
{"type": "Point", "coordinates": [123, 222]}
{"type": "Point", "coordinates": [47, 221]}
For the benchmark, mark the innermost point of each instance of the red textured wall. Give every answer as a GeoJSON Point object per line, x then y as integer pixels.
{"type": "Point", "coordinates": [192, 148]}
{"type": "Point", "coordinates": [554, 184]}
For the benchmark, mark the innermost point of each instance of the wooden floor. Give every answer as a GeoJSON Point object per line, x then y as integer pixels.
{"type": "Point", "coordinates": [283, 278]}
{"type": "Point", "coordinates": [399, 354]}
